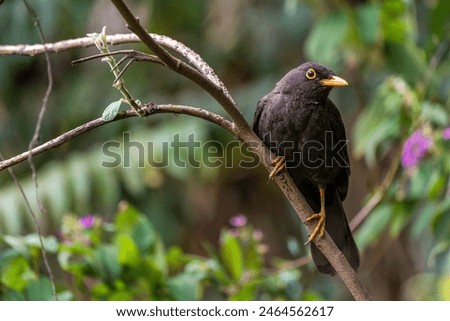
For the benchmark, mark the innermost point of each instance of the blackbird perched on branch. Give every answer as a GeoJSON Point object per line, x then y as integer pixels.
{"type": "Point", "coordinates": [303, 127]}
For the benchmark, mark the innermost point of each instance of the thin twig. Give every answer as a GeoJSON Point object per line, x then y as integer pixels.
{"type": "Point", "coordinates": [129, 54]}
{"type": "Point", "coordinates": [441, 49]}
{"type": "Point", "coordinates": [379, 194]}
{"type": "Point", "coordinates": [84, 42]}
{"type": "Point", "coordinates": [38, 229]}
{"type": "Point", "coordinates": [33, 142]}
{"type": "Point", "coordinates": [63, 45]}
{"type": "Point", "coordinates": [119, 84]}
{"type": "Point", "coordinates": [147, 110]}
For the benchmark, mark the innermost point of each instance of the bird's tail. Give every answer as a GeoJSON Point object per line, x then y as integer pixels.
{"type": "Point", "coordinates": [337, 227]}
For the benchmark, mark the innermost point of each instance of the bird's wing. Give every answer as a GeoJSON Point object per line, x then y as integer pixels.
{"type": "Point", "coordinates": [339, 135]}
{"type": "Point", "coordinates": [259, 109]}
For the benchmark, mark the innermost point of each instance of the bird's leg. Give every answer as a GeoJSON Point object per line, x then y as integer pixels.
{"type": "Point", "coordinates": [320, 227]}
{"type": "Point", "coordinates": [279, 164]}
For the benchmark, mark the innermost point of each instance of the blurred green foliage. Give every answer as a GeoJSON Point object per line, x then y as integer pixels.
{"type": "Point", "coordinates": [127, 260]}
{"type": "Point", "coordinates": [395, 55]}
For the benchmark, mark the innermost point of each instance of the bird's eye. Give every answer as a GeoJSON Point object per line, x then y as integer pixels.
{"type": "Point", "coordinates": [311, 74]}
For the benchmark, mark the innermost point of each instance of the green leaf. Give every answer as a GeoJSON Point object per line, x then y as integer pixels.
{"type": "Point", "coordinates": [443, 286]}
{"type": "Point", "coordinates": [420, 180]}
{"type": "Point", "coordinates": [232, 257]}
{"type": "Point", "coordinates": [159, 255]}
{"type": "Point", "coordinates": [441, 219]}
{"type": "Point", "coordinates": [63, 258]}
{"type": "Point", "coordinates": [294, 289]}
{"type": "Point", "coordinates": [400, 216]}
{"type": "Point", "coordinates": [105, 263]}
{"type": "Point", "coordinates": [120, 295]}
{"type": "Point", "coordinates": [246, 293]}
{"type": "Point", "coordinates": [100, 291]}
{"type": "Point", "coordinates": [39, 290]}
{"type": "Point", "coordinates": [368, 18]}
{"type": "Point", "coordinates": [379, 125]}
{"type": "Point", "coordinates": [50, 242]}
{"type": "Point", "coordinates": [131, 222]}
{"type": "Point", "coordinates": [407, 61]}
{"type": "Point", "coordinates": [144, 234]}
{"type": "Point", "coordinates": [393, 20]}
{"type": "Point", "coordinates": [154, 276]}
{"type": "Point", "coordinates": [17, 243]}
{"type": "Point", "coordinates": [439, 21]}
{"type": "Point", "coordinates": [112, 110]}
{"type": "Point", "coordinates": [175, 258]}
{"type": "Point", "coordinates": [121, 292]}
{"type": "Point", "coordinates": [128, 252]}
{"type": "Point", "coordinates": [436, 185]}
{"type": "Point", "coordinates": [17, 274]}
{"type": "Point", "coordinates": [422, 221]}
{"type": "Point", "coordinates": [326, 39]}
{"type": "Point", "coordinates": [284, 281]}
{"type": "Point", "coordinates": [374, 225]}
{"type": "Point", "coordinates": [6, 256]}
{"type": "Point", "coordinates": [311, 296]}
{"type": "Point", "coordinates": [65, 296]}
{"type": "Point", "coordinates": [11, 206]}
{"type": "Point", "coordinates": [185, 287]}
{"type": "Point", "coordinates": [127, 219]}
{"type": "Point", "coordinates": [215, 265]}
{"type": "Point", "coordinates": [371, 132]}
{"type": "Point", "coordinates": [435, 113]}
{"type": "Point", "coordinates": [12, 296]}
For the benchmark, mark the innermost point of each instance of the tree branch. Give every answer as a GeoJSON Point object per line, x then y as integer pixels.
{"type": "Point", "coordinates": [147, 110]}
{"type": "Point", "coordinates": [129, 54]}
{"type": "Point", "coordinates": [85, 42]}
{"type": "Point", "coordinates": [379, 193]}
{"type": "Point", "coordinates": [33, 141]}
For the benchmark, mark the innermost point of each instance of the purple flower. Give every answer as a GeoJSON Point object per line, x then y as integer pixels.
{"type": "Point", "coordinates": [87, 221]}
{"type": "Point", "coordinates": [414, 148]}
{"type": "Point", "coordinates": [446, 133]}
{"type": "Point", "coordinates": [238, 220]}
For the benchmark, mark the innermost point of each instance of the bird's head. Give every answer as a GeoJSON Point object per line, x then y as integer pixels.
{"type": "Point", "coordinates": [311, 81]}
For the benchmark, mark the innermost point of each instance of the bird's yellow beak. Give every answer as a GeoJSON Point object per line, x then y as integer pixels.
{"type": "Point", "coordinates": [334, 81]}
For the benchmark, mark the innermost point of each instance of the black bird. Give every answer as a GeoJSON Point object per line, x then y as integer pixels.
{"type": "Point", "coordinates": [303, 127]}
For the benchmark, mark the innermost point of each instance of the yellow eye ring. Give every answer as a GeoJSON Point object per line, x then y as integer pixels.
{"type": "Point", "coordinates": [311, 74]}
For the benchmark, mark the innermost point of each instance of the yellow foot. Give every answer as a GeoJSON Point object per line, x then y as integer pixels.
{"type": "Point", "coordinates": [279, 164]}
{"type": "Point", "coordinates": [320, 227]}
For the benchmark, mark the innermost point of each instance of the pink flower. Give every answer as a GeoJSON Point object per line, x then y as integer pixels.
{"type": "Point", "coordinates": [446, 133]}
{"type": "Point", "coordinates": [258, 234]}
{"type": "Point", "coordinates": [87, 221]}
{"type": "Point", "coordinates": [238, 220]}
{"type": "Point", "coordinates": [415, 148]}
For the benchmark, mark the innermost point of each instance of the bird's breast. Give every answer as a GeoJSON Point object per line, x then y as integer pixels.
{"type": "Point", "coordinates": [305, 138]}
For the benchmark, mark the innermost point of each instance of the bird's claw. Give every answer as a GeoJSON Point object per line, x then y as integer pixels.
{"type": "Point", "coordinates": [279, 164]}
{"type": "Point", "coordinates": [320, 227]}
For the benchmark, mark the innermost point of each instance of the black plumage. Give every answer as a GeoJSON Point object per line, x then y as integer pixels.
{"type": "Point", "coordinates": [298, 122]}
